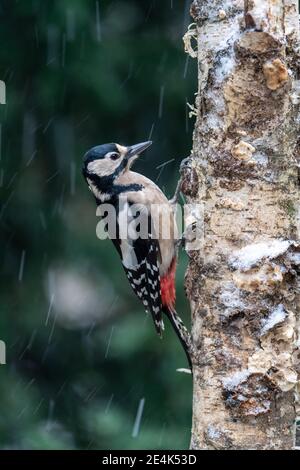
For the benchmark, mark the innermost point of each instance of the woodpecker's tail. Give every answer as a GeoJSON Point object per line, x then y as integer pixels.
{"type": "Point", "coordinates": [168, 295]}
{"type": "Point", "coordinates": [181, 331]}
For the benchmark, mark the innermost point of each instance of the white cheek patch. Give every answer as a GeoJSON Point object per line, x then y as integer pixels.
{"type": "Point", "coordinates": [103, 167]}
{"type": "Point", "coordinates": [93, 166]}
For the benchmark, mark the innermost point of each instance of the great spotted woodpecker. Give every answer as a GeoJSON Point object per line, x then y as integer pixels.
{"type": "Point", "coordinates": [149, 261]}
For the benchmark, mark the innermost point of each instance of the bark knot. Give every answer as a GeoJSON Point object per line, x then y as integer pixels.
{"type": "Point", "coordinates": [243, 151]}
{"type": "Point", "coordinates": [276, 74]}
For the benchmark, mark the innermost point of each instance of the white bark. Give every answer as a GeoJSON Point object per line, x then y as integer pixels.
{"type": "Point", "coordinates": [243, 284]}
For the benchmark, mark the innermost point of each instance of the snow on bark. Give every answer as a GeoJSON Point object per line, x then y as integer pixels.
{"type": "Point", "coordinates": [276, 317]}
{"type": "Point", "coordinates": [243, 283]}
{"type": "Point", "coordinates": [251, 255]}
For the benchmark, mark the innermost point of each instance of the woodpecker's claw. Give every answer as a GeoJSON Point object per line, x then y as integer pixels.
{"type": "Point", "coordinates": [188, 236]}
{"type": "Point", "coordinates": [175, 198]}
{"type": "Point", "coordinates": [184, 163]}
{"type": "Point", "coordinates": [190, 233]}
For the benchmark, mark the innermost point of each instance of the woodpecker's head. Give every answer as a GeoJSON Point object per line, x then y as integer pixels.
{"type": "Point", "coordinates": [110, 160]}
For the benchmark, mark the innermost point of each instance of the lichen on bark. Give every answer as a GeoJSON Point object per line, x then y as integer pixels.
{"type": "Point", "coordinates": [243, 284]}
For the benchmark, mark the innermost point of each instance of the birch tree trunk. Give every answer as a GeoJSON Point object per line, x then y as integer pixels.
{"type": "Point", "coordinates": [242, 284]}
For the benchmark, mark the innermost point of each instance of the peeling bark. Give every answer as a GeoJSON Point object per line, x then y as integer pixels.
{"type": "Point", "coordinates": [243, 284]}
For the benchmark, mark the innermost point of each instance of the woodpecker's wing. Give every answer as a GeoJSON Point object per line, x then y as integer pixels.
{"type": "Point", "coordinates": [140, 259]}
{"type": "Point", "coordinates": [145, 282]}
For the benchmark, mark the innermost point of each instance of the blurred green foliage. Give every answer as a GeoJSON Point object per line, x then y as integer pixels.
{"type": "Point", "coordinates": [81, 353]}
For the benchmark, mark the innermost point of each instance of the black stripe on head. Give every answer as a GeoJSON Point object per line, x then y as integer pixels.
{"type": "Point", "coordinates": [98, 152]}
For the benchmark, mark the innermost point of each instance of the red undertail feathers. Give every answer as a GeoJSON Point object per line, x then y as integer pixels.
{"type": "Point", "coordinates": [167, 286]}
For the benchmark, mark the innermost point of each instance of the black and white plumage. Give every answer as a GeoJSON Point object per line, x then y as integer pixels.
{"type": "Point", "coordinates": [145, 282]}
{"type": "Point", "coordinates": [149, 261]}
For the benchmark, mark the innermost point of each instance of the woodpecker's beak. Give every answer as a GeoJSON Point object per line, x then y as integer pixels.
{"type": "Point", "coordinates": [135, 150]}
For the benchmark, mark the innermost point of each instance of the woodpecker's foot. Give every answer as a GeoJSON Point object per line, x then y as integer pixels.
{"type": "Point", "coordinates": [175, 198]}
{"type": "Point", "coordinates": [188, 236]}
{"type": "Point", "coordinates": [184, 163]}
{"type": "Point", "coordinates": [190, 233]}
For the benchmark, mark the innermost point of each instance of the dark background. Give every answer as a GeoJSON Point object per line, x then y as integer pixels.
{"type": "Point", "coordinates": [82, 356]}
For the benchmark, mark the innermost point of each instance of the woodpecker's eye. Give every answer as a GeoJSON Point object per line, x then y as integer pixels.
{"type": "Point", "coordinates": [113, 155]}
